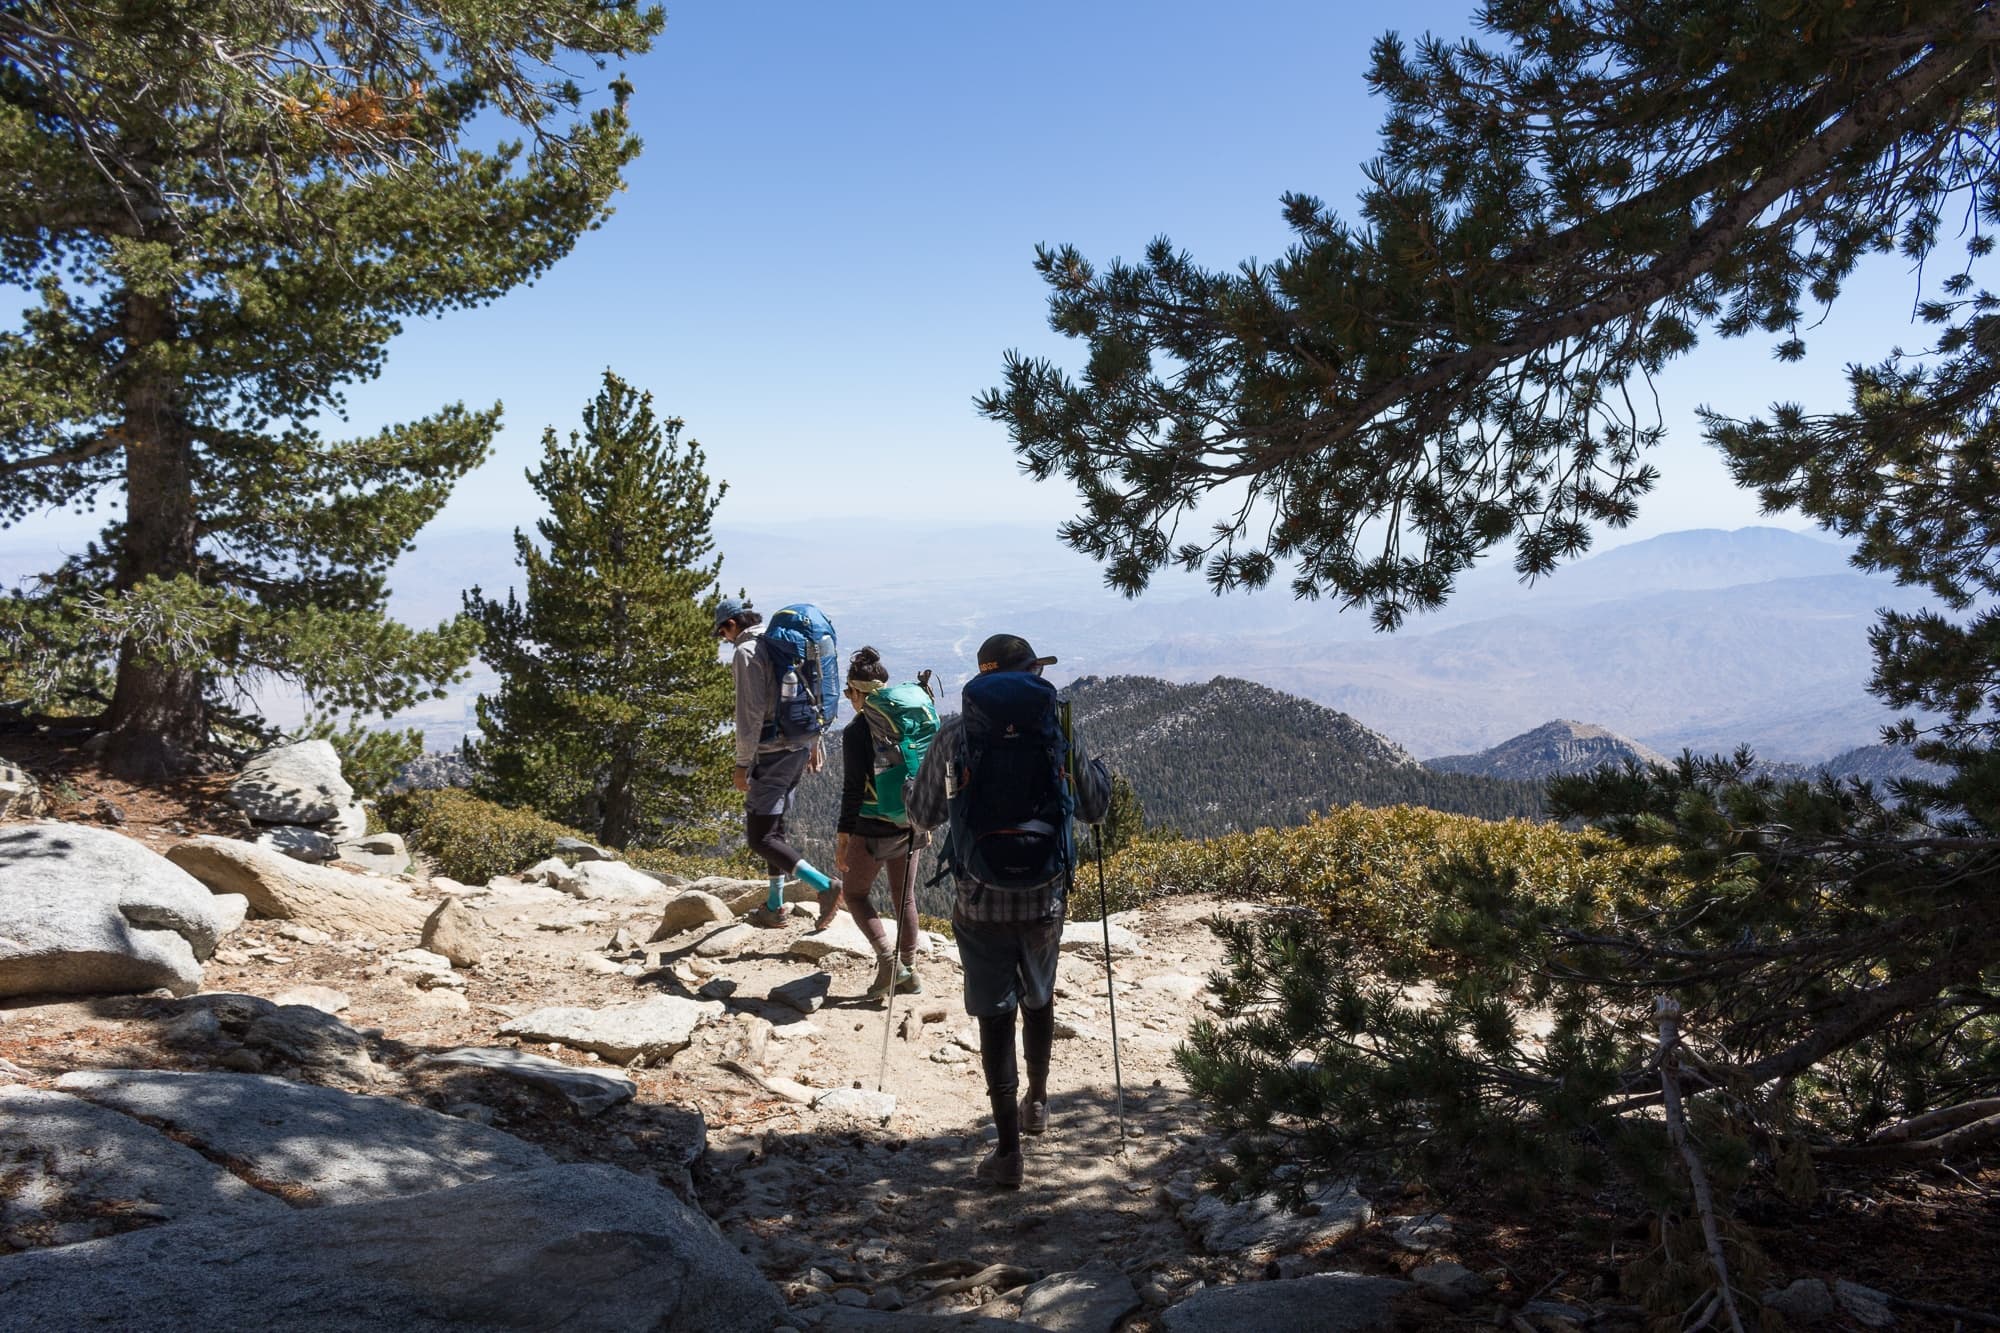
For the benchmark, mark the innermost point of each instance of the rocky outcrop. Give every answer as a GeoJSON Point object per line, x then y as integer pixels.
{"type": "Point", "coordinates": [315, 1145]}
{"type": "Point", "coordinates": [1322, 1303]}
{"type": "Point", "coordinates": [277, 886]}
{"type": "Point", "coordinates": [86, 910]}
{"type": "Point", "coordinates": [587, 1247]}
{"type": "Point", "coordinates": [300, 783]}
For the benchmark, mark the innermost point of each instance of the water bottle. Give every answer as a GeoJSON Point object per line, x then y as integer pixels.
{"type": "Point", "coordinates": [788, 688]}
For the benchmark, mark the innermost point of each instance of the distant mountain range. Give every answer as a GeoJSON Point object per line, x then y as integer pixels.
{"type": "Point", "coordinates": [1562, 747]}
{"type": "Point", "coordinates": [1703, 639]}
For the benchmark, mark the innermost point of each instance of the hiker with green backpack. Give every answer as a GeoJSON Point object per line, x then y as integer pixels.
{"type": "Point", "coordinates": [880, 749]}
{"type": "Point", "coordinates": [1007, 776]}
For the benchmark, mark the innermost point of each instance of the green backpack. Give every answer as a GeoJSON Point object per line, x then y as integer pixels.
{"type": "Point", "coordinates": [902, 722]}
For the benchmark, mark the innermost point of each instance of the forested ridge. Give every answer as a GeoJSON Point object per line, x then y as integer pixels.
{"type": "Point", "coordinates": [1230, 755]}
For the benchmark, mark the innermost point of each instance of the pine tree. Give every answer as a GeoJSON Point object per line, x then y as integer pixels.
{"type": "Point", "coordinates": [613, 701]}
{"type": "Point", "coordinates": [1549, 223]}
{"type": "Point", "coordinates": [1813, 973]}
{"type": "Point", "coordinates": [224, 211]}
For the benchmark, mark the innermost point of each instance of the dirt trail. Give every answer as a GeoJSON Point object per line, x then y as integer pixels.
{"type": "Point", "coordinates": [835, 1210]}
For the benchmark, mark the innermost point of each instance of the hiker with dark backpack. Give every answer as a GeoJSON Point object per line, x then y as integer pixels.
{"type": "Point", "coordinates": [893, 728]}
{"type": "Point", "coordinates": [787, 676]}
{"type": "Point", "coordinates": [1007, 775]}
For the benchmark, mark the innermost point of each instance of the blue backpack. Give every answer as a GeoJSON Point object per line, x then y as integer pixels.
{"type": "Point", "coordinates": [1011, 802]}
{"type": "Point", "coordinates": [805, 657]}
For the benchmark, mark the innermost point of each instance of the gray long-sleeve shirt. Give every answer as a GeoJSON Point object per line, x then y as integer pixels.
{"type": "Point", "coordinates": [756, 701]}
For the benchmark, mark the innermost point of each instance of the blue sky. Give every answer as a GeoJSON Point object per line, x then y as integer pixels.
{"type": "Point", "coordinates": [826, 246]}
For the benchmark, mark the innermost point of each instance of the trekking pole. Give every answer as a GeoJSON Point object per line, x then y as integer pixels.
{"type": "Point", "coordinates": [1110, 996]}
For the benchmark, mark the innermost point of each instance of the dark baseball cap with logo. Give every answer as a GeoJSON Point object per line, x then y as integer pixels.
{"type": "Point", "coordinates": [1010, 652]}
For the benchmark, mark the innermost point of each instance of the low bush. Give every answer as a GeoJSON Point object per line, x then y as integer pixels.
{"type": "Point", "coordinates": [466, 838]}
{"type": "Point", "coordinates": [472, 840]}
{"type": "Point", "coordinates": [1369, 872]}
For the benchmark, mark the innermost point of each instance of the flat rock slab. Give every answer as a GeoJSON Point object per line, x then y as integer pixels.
{"type": "Point", "coordinates": [1091, 1300]}
{"type": "Point", "coordinates": [88, 911]}
{"type": "Point", "coordinates": [1263, 1226]}
{"type": "Point", "coordinates": [323, 998]}
{"type": "Point", "coordinates": [65, 1158]}
{"type": "Point", "coordinates": [744, 895]}
{"type": "Point", "coordinates": [573, 1247]}
{"type": "Point", "coordinates": [277, 886]}
{"type": "Point", "coordinates": [850, 1319]}
{"type": "Point", "coordinates": [727, 941]}
{"type": "Point", "coordinates": [590, 1091]}
{"type": "Point", "coordinates": [1322, 1303]}
{"type": "Point", "coordinates": [841, 939]}
{"type": "Point", "coordinates": [299, 783]}
{"type": "Point", "coordinates": [1087, 938]}
{"type": "Point", "coordinates": [805, 994]}
{"type": "Point", "coordinates": [653, 1029]}
{"type": "Point", "coordinates": [310, 1144]}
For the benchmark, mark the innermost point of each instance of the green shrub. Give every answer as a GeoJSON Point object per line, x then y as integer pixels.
{"type": "Point", "coordinates": [739, 864]}
{"type": "Point", "coordinates": [1369, 872]}
{"type": "Point", "coordinates": [468, 839]}
{"type": "Point", "coordinates": [472, 840]}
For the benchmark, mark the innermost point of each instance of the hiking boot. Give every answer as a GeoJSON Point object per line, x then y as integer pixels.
{"type": "Point", "coordinates": [907, 981]}
{"type": "Point", "coordinates": [1034, 1117]}
{"type": "Point", "coordinates": [1000, 1170]}
{"type": "Point", "coordinates": [767, 918]}
{"type": "Point", "coordinates": [885, 980]}
{"type": "Point", "coordinates": [829, 906]}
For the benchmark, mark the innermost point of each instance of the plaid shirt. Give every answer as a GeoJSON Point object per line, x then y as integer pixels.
{"type": "Point", "coordinates": [925, 801]}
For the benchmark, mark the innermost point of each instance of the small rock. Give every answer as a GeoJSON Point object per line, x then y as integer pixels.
{"type": "Point", "coordinates": [440, 981]}
{"type": "Point", "coordinates": [1090, 1300]}
{"type": "Point", "coordinates": [691, 909]}
{"type": "Point", "coordinates": [419, 960]}
{"type": "Point", "coordinates": [951, 1055]}
{"type": "Point", "coordinates": [1806, 1301]}
{"type": "Point", "coordinates": [452, 932]}
{"type": "Point", "coordinates": [716, 988]}
{"type": "Point", "coordinates": [1452, 1284]}
{"type": "Point", "coordinates": [602, 966]}
{"type": "Point", "coordinates": [1864, 1305]}
{"type": "Point", "coordinates": [242, 1060]}
{"type": "Point", "coordinates": [806, 994]}
{"type": "Point", "coordinates": [323, 998]}
{"type": "Point", "coordinates": [591, 1091]}
{"type": "Point", "coordinates": [292, 930]}
{"type": "Point", "coordinates": [726, 941]}
{"type": "Point", "coordinates": [448, 1001]}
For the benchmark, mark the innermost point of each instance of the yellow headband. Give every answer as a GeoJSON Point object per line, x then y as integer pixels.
{"type": "Point", "coordinates": [865, 686]}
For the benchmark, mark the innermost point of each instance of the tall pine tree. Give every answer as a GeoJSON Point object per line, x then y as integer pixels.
{"type": "Point", "coordinates": [613, 701]}
{"type": "Point", "coordinates": [224, 210]}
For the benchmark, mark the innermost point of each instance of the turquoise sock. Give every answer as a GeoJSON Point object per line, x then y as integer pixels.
{"type": "Point", "coordinates": [805, 871]}
{"type": "Point", "coordinates": [774, 895]}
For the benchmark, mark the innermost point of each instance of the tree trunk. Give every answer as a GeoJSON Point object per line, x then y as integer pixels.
{"type": "Point", "coordinates": [157, 722]}
{"type": "Point", "coordinates": [620, 809]}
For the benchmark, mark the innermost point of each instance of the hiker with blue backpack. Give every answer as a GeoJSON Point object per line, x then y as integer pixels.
{"type": "Point", "coordinates": [892, 730]}
{"type": "Point", "coordinates": [787, 677]}
{"type": "Point", "coordinates": [1006, 776]}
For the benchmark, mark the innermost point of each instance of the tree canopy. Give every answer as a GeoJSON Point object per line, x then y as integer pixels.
{"type": "Point", "coordinates": [1550, 221]}
{"type": "Point", "coordinates": [223, 211]}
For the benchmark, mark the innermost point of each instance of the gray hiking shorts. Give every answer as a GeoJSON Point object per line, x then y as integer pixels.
{"type": "Point", "coordinates": [773, 779]}
{"type": "Point", "coordinates": [1008, 964]}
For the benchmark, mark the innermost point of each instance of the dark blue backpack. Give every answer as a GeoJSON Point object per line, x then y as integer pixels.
{"type": "Point", "coordinates": [1011, 801]}
{"type": "Point", "coordinates": [805, 658]}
